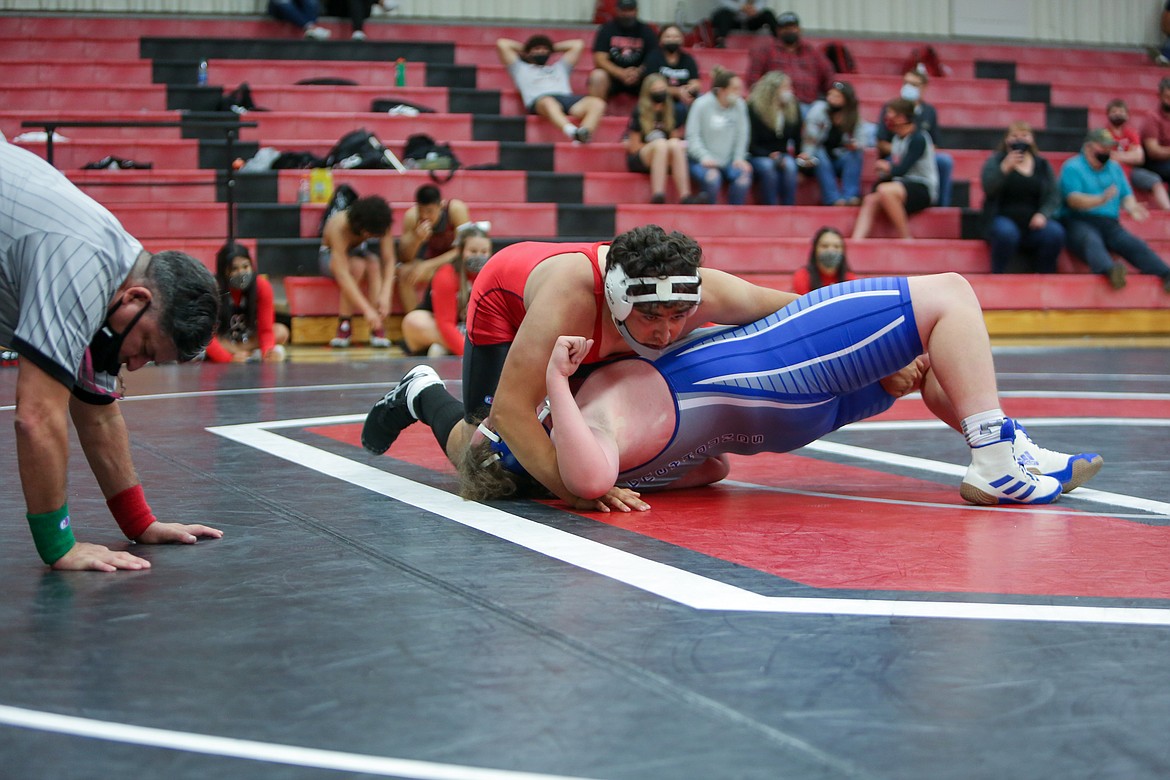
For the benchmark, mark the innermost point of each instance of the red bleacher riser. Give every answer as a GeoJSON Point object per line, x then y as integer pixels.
{"type": "Point", "coordinates": [532, 220]}
{"type": "Point", "coordinates": [202, 249]}
{"type": "Point", "coordinates": [1092, 75]}
{"type": "Point", "coordinates": [731, 221]}
{"type": "Point", "coordinates": [381, 74]}
{"type": "Point", "coordinates": [126, 97]}
{"type": "Point", "coordinates": [64, 28]}
{"type": "Point", "coordinates": [152, 186]}
{"type": "Point", "coordinates": [312, 99]}
{"type": "Point", "coordinates": [11, 123]}
{"type": "Point", "coordinates": [334, 124]}
{"type": "Point", "coordinates": [74, 155]}
{"type": "Point", "coordinates": [485, 186]}
{"type": "Point", "coordinates": [1139, 97]}
{"type": "Point", "coordinates": [766, 254]}
{"type": "Point", "coordinates": [79, 49]}
{"type": "Point", "coordinates": [53, 73]}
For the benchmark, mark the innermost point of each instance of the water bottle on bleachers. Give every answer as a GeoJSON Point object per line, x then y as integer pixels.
{"type": "Point", "coordinates": [201, 73]}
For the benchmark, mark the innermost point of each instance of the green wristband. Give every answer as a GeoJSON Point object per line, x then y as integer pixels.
{"type": "Point", "coordinates": [52, 534]}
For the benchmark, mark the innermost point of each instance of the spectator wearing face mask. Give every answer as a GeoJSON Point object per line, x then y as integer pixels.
{"type": "Point", "coordinates": [544, 86]}
{"type": "Point", "coordinates": [810, 70]}
{"type": "Point", "coordinates": [831, 145]}
{"type": "Point", "coordinates": [678, 67]}
{"type": "Point", "coordinates": [826, 263]}
{"type": "Point", "coordinates": [925, 119]}
{"type": "Point", "coordinates": [620, 49]}
{"type": "Point", "coordinates": [718, 132]}
{"type": "Point", "coordinates": [1093, 190]}
{"type": "Point", "coordinates": [247, 330]}
{"type": "Point", "coordinates": [1130, 154]}
{"type": "Point", "coordinates": [438, 326]}
{"type": "Point", "coordinates": [907, 182]}
{"type": "Point", "coordinates": [1155, 133]}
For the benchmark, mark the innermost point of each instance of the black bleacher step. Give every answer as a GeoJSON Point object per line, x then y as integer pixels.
{"type": "Point", "coordinates": [193, 50]}
{"type": "Point", "coordinates": [521, 156]}
{"type": "Point", "coordinates": [1067, 117]}
{"type": "Point", "coordinates": [995, 69]}
{"type": "Point", "coordinates": [280, 257]}
{"type": "Point", "coordinates": [214, 153]}
{"type": "Point", "coordinates": [268, 220]}
{"type": "Point", "coordinates": [596, 222]}
{"type": "Point", "coordinates": [444, 75]}
{"type": "Point", "coordinates": [1027, 92]}
{"type": "Point", "coordinates": [1058, 139]}
{"type": "Point", "coordinates": [960, 193]}
{"type": "Point", "coordinates": [191, 97]}
{"type": "Point", "coordinates": [249, 187]}
{"type": "Point", "coordinates": [971, 224]}
{"type": "Point", "coordinates": [498, 128]}
{"type": "Point", "coordinates": [473, 101]}
{"type": "Point", "coordinates": [550, 187]}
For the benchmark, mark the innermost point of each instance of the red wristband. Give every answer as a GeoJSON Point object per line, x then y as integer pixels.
{"type": "Point", "coordinates": [131, 511]}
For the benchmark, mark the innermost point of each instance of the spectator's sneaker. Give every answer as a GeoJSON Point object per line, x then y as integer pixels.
{"type": "Point", "coordinates": [378, 339]}
{"type": "Point", "coordinates": [395, 412]}
{"type": "Point", "coordinates": [358, 35]}
{"type": "Point", "coordinates": [1117, 276]}
{"type": "Point", "coordinates": [344, 336]}
{"type": "Point", "coordinates": [315, 33]}
{"type": "Point", "coordinates": [437, 350]}
{"type": "Point", "coordinates": [584, 135]}
{"type": "Point", "coordinates": [1000, 479]}
{"type": "Point", "coordinates": [9, 358]}
{"type": "Point", "coordinates": [694, 199]}
{"type": "Point", "coordinates": [1071, 471]}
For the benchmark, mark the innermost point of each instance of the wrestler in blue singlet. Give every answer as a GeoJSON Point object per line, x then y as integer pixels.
{"type": "Point", "coordinates": [786, 380]}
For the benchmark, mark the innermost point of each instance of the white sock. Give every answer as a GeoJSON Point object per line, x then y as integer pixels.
{"type": "Point", "coordinates": [983, 428]}
{"type": "Point", "coordinates": [570, 129]}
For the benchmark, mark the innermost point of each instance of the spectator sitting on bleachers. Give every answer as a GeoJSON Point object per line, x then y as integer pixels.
{"type": "Point", "coordinates": [438, 326]}
{"type": "Point", "coordinates": [737, 15]}
{"type": "Point", "coordinates": [926, 119]}
{"type": "Point", "coordinates": [831, 144]}
{"type": "Point", "coordinates": [358, 12]}
{"type": "Point", "coordinates": [620, 48]}
{"type": "Point", "coordinates": [1020, 203]}
{"type": "Point", "coordinates": [1093, 190]}
{"type": "Point", "coordinates": [1130, 154]}
{"type": "Point", "coordinates": [654, 142]}
{"type": "Point", "coordinates": [718, 133]}
{"type": "Point", "coordinates": [826, 263]}
{"type": "Point", "coordinates": [678, 67]}
{"type": "Point", "coordinates": [775, 138]}
{"type": "Point", "coordinates": [810, 70]}
{"type": "Point", "coordinates": [544, 87]}
{"type": "Point", "coordinates": [352, 244]}
{"type": "Point", "coordinates": [247, 329]}
{"type": "Point", "coordinates": [1155, 133]}
{"type": "Point", "coordinates": [302, 13]}
{"type": "Point", "coordinates": [427, 241]}
{"type": "Point", "coordinates": [908, 181]}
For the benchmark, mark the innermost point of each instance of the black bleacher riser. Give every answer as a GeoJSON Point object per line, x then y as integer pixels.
{"type": "Point", "coordinates": [195, 49]}
{"type": "Point", "coordinates": [214, 153]}
{"type": "Point", "coordinates": [1027, 92]}
{"type": "Point", "coordinates": [521, 156]}
{"type": "Point", "coordinates": [596, 222]}
{"type": "Point", "coordinates": [971, 224]}
{"type": "Point", "coordinates": [498, 128]}
{"type": "Point", "coordinates": [549, 187]}
{"type": "Point", "coordinates": [1067, 117]}
{"type": "Point", "coordinates": [268, 220]}
{"type": "Point", "coordinates": [249, 187]}
{"type": "Point", "coordinates": [289, 256]}
{"type": "Point", "coordinates": [443, 75]}
{"type": "Point", "coordinates": [993, 69]}
{"type": "Point", "coordinates": [191, 97]}
{"type": "Point", "coordinates": [960, 193]}
{"type": "Point", "coordinates": [473, 101]}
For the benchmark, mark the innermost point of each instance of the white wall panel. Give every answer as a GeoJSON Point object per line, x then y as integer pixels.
{"type": "Point", "coordinates": [1094, 22]}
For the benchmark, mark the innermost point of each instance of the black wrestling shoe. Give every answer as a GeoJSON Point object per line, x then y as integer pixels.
{"type": "Point", "coordinates": [395, 413]}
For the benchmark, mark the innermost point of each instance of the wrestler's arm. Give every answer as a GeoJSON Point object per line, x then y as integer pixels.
{"type": "Point", "coordinates": [587, 455]}
{"type": "Point", "coordinates": [729, 300]}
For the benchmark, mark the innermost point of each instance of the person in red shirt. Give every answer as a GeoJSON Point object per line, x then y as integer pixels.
{"type": "Point", "coordinates": [438, 326]}
{"type": "Point", "coordinates": [1130, 154]}
{"type": "Point", "coordinates": [826, 263]}
{"type": "Point", "coordinates": [247, 329]}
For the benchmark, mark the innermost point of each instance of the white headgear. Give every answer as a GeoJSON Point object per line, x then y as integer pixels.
{"type": "Point", "coordinates": [664, 290]}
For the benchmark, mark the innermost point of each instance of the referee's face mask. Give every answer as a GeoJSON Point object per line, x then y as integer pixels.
{"type": "Point", "coordinates": [106, 347]}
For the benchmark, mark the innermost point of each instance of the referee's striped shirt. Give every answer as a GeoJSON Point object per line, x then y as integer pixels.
{"type": "Point", "coordinates": [62, 258]}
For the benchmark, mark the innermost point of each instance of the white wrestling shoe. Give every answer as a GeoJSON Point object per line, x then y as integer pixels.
{"type": "Point", "coordinates": [996, 477]}
{"type": "Point", "coordinates": [1071, 471]}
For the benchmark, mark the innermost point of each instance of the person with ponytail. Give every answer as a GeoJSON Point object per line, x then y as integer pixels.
{"type": "Point", "coordinates": [247, 330]}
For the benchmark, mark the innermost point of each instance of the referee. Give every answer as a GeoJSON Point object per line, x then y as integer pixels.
{"type": "Point", "coordinates": [79, 298]}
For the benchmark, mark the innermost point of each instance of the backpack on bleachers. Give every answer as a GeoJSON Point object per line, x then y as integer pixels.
{"type": "Point", "coordinates": [925, 59]}
{"type": "Point", "coordinates": [842, 59]}
{"type": "Point", "coordinates": [423, 152]}
{"type": "Point", "coordinates": [342, 198]}
{"type": "Point", "coordinates": [358, 149]}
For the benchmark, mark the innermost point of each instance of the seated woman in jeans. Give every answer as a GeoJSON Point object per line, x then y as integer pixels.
{"type": "Point", "coordinates": [775, 125]}
{"type": "Point", "coordinates": [717, 139]}
{"type": "Point", "coordinates": [1021, 196]}
{"type": "Point", "coordinates": [833, 134]}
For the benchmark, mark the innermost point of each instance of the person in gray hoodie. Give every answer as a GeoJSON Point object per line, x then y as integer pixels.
{"type": "Point", "coordinates": [718, 132]}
